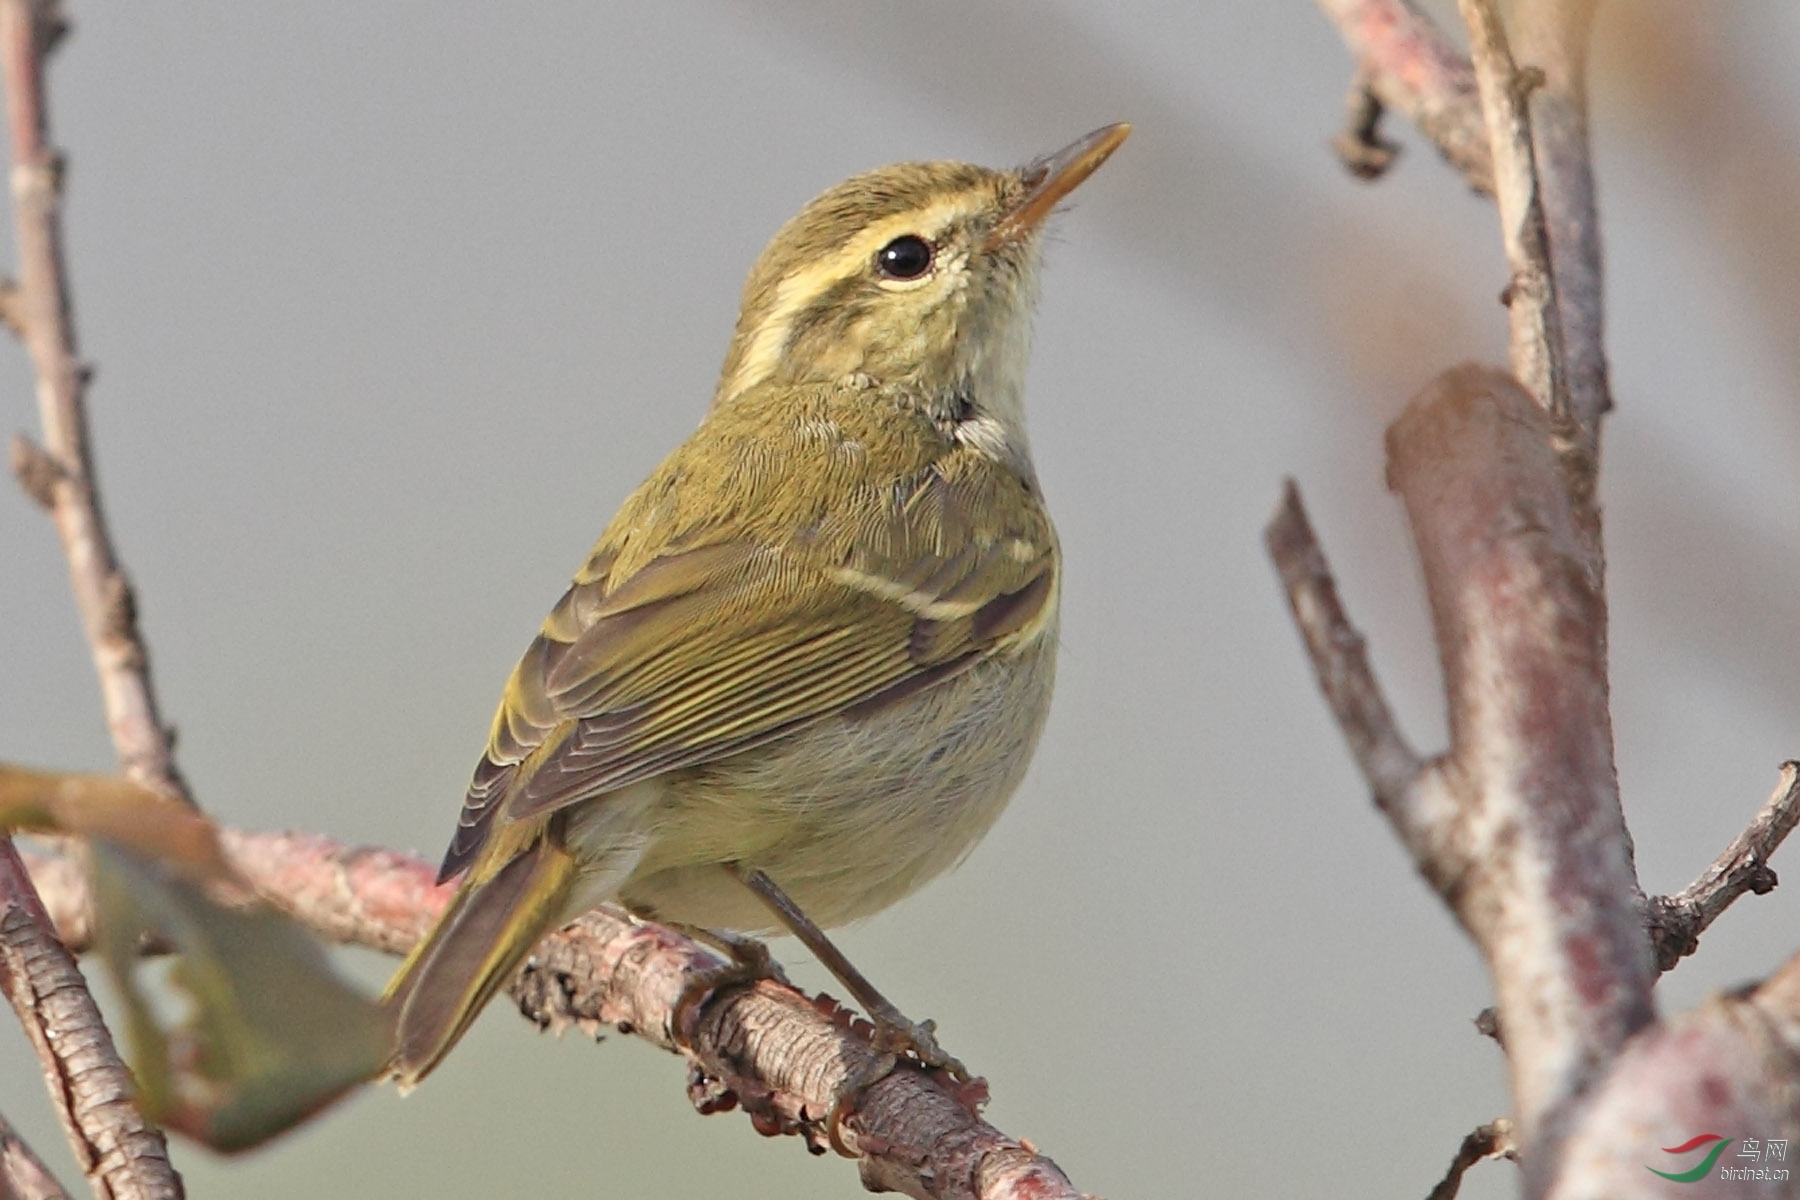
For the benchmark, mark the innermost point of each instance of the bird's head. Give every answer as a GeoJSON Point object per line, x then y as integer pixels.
{"type": "Point", "coordinates": [919, 274]}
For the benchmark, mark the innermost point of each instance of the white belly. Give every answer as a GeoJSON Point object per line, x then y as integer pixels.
{"type": "Point", "coordinates": [847, 816]}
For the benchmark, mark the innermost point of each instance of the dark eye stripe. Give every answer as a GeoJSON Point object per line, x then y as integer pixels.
{"type": "Point", "coordinates": [906, 257]}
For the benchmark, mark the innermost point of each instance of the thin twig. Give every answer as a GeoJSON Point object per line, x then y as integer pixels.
{"type": "Point", "coordinates": [23, 1175]}
{"type": "Point", "coordinates": [1339, 655]}
{"type": "Point", "coordinates": [1537, 350]}
{"type": "Point", "coordinates": [1528, 128]}
{"type": "Point", "coordinates": [102, 592]}
{"type": "Point", "coordinates": [1677, 921]}
{"type": "Point", "coordinates": [791, 1062]}
{"type": "Point", "coordinates": [1493, 1140]}
{"type": "Point", "coordinates": [1553, 36]}
{"type": "Point", "coordinates": [123, 1156]}
{"type": "Point", "coordinates": [1405, 61]}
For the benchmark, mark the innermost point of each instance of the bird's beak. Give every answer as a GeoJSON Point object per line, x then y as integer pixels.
{"type": "Point", "coordinates": [1054, 176]}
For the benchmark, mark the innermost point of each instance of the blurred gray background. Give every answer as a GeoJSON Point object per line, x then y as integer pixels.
{"type": "Point", "coordinates": [392, 303]}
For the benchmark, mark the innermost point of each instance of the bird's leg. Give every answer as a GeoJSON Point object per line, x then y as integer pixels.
{"type": "Point", "coordinates": [894, 1034]}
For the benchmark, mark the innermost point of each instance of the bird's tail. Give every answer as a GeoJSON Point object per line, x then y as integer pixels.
{"type": "Point", "coordinates": [488, 929]}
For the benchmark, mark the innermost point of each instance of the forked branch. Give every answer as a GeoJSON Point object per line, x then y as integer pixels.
{"type": "Point", "coordinates": [1518, 825]}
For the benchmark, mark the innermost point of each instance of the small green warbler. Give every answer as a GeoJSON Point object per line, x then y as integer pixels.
{"type": "Point", "coordinates": [808, 661]}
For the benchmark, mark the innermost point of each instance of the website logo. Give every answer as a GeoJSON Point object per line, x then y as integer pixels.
{"type": "Point", "coordinates": [1718, 1143]}
{"type": "Point", "coordinates": [1750, 1150]}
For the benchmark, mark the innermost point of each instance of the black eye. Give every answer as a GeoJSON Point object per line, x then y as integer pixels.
{"type": "Point", "coordinates": [906, 257]}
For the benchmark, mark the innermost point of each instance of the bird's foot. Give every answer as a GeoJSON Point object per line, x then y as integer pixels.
{"type": "Point", "coordinates": [895, 1040]}
{"type": "Point", "coordinates": [894, 1034]}
{"type": "Point", "coordinates": [746, 961]}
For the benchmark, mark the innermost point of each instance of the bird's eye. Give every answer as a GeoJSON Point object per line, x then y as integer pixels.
{"type": "Point", "coordinates": [906, 257]}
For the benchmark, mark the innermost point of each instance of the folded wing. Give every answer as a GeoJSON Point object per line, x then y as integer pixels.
{"type": "Point", "coordinates": [711, 648]}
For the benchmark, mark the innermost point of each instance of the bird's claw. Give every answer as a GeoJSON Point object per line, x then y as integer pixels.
{"type": "Point", "coordinates": [894, 1034]}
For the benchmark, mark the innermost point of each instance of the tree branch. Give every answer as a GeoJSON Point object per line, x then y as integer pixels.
{"type": "Point", "coordinates": [1340, 664]}
{"type": "Point", "coordinates": [1534, 857]}
{"type": "Point", "coordinates": [1405, 62]}
{"type": "Point", "coordinates": [1553, 37]}
{"type": "Point", "coordinates": [1677, 921]}
{"type": "Point", "coordinates": [792, 1063]}
{"type": "Point", "coordinates": [1553, 298]}
{"type": "Point", "coordinates": [1730, 1064]}
{"type": "Point", "coordinates": [23, 1175]}
{"type": "Point", "coordinates": [1530, 296]}
{"type": "Point", "coordinates": [123, 1156]}
{"type": "Point", "coordinates": [1518, 827]}
{"type": "Point", "coordinates": [102, 593]}
{"type": "Point", "coordinates": [1493, 1140]}
{"type": "Point", "coordinates": [1339, 655]}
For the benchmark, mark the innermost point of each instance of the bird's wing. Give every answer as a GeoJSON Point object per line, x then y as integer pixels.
{"type": "Point", "coordinates": [712, 648]}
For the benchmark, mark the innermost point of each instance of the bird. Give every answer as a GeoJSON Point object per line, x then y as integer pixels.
{"type": "Point", "coordinates": [808, 661]}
